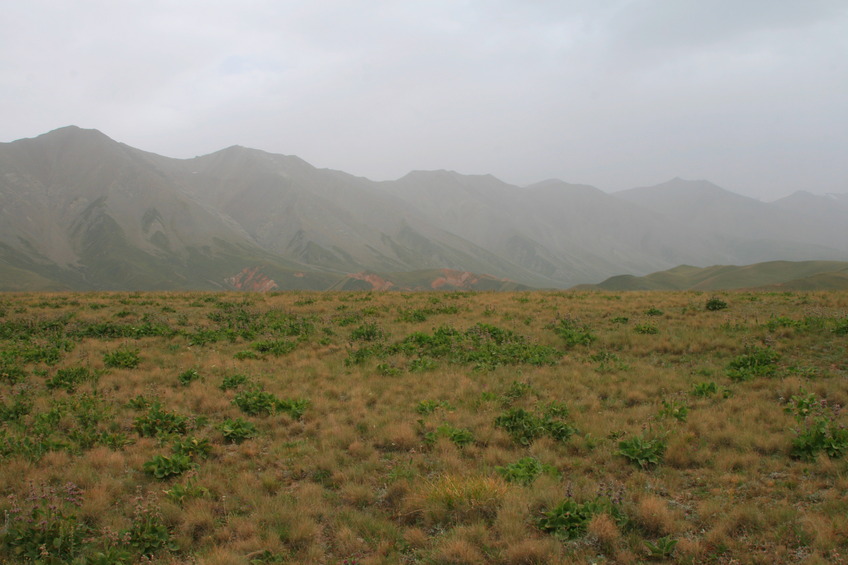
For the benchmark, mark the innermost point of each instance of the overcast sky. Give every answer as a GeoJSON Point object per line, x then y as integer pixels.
{"type": "Point", "coordinates": [750, 94]}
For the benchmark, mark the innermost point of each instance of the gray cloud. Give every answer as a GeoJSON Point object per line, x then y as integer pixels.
{"type": "Point", "coordinates": [613, 93]}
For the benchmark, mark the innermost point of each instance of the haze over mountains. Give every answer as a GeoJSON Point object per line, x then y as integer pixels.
{"type": "Point", "coordinates": [81, 211]}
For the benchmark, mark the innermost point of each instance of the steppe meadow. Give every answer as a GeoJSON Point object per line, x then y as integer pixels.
{"type": "Point", "coordinates": [433, 428]}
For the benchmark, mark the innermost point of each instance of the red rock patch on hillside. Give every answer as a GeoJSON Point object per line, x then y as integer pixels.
{"type": "Point", "coordinates": [250, 279]}
{"type": "Point", "coordinates": [458, 279]}
{"type": "Point", "coordinates": [376, 282]}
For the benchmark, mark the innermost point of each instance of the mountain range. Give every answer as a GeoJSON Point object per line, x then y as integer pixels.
{"type": "Point", "coordinates": [81, 211]}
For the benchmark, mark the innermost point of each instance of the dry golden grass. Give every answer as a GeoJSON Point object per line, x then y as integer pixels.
{"type": "Point", "coordinates": [655, 517]}
{"type": "Point", "coordinates": [367, 475]}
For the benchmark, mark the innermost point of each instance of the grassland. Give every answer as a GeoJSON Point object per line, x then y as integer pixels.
{"type": "Point", "coordinates": [515, 428]}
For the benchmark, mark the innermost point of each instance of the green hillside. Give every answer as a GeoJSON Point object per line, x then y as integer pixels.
{"type": "Point", "coordinates": [794, 275]}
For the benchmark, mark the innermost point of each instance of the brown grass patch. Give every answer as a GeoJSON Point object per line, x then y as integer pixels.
{"type": "Point", "coordinates": [654, 515]}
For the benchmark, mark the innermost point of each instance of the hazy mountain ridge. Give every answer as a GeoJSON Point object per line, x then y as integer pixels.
{"type": "Point", "coordinates": [797, 231]}
{"type": "Point", "coordinates": [81, 211]}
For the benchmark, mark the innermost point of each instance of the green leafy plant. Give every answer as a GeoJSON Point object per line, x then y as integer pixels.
{"type": "Point", "coordinates": [674, 409]}
{"type": "Point", "coordinates": [643, 451]}
{"type": "Point", "coordinates": [422, 364]}
{"type": "Point", "coordinates": [524, 427]}
{"type": "Point", "coordinates": [256, 402]}
{"type": "Point", "coordinates": [140, 402]}
{"type": "Point", "coordinates": [20, 406]}
{"type": "Point", "coordinates": [525, 470]}
{"type": "Point", "coordinates": [413, 315]}
{"type": "Point", "coordinates": [714, 304]}
{"type": "Point", "coordinates": [294, 407]}
{"type": "Point", "coordinates": [663, 548]}
{"type": "Point", "coordinates": [704, 390]}
{"type": "Point", "coordinates": [122, 359]}
{"type": "Point", "coordinates": [148, 534]}
{"type": "Point", "coordinates": [162, 466]}
{"type": "Point", "coordinates": [558, 429]}
{"type": "Point", "coordinates": [483, 345]}
{"type": "Point", "coordinates": [192, 447]}
{"type": "Point", "coordinates": [368, 331]}
{"type": "Point", "coordinates": [188, 376]}
{"type": "Point", "coordinates": [388, 370]}
{"type": "Point", "coordinates": [818, 429]}
{"type": "Point", "coordinates": [245, 355]}
{"type": "Point", "coordinates": [572, 332]}
{"type": "Point", "coordinates": [755, 362]}
{"type": "Point", "coordinates": [159, 421]}
{"type": "Point", "coordinates": [233, 381]}
{"type": "Point", "coordinates": [276, 347]}
{"type": "Point", "coordinates": [569, 519]}
{"type": "Point", "coordinates": [11, 373]}
{"type": "Point", "coordinates": [782, 322]}
{"type": "Point", "coordinates": [237, 430]}
{"type": "Point", "coordinates": [653, 311]}
{"type": "Point", "coordinates": [45, 528]}
{"type": "Point", "coordinates": [841, 327]}
{"type": "Point", "coordinates": [609, 362]}
{"type": "Point", "coordinates": [556, 410]}
{"type": "Point", "coordinates": [646, 329]}
{"type": "Point", "coordinates": [426, 407]}
{"type": "Point", "coordinates": [180, 492]}
{"type": "Point", "coordinates": [69, 379]}
{"type": "Point", "coordinates": [459, 436]}
{"type": "Point", "coordinates": [516, 390]}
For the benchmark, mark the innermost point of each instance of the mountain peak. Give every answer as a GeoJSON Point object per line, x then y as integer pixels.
{"type": "Point", "coordinates": [74, 131]}
{"type": "Point", "coordinates": [678, 183]}
{"type": "Point", "coordinates": [69, 137]}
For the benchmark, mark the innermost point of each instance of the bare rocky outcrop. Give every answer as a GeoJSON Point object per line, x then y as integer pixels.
{"type": "Point", "coordinates": [377, 282]}
{"type": "Point", "coordinates": [457, 279]}
{"type": "Point", "coordinates": [253, 280]}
